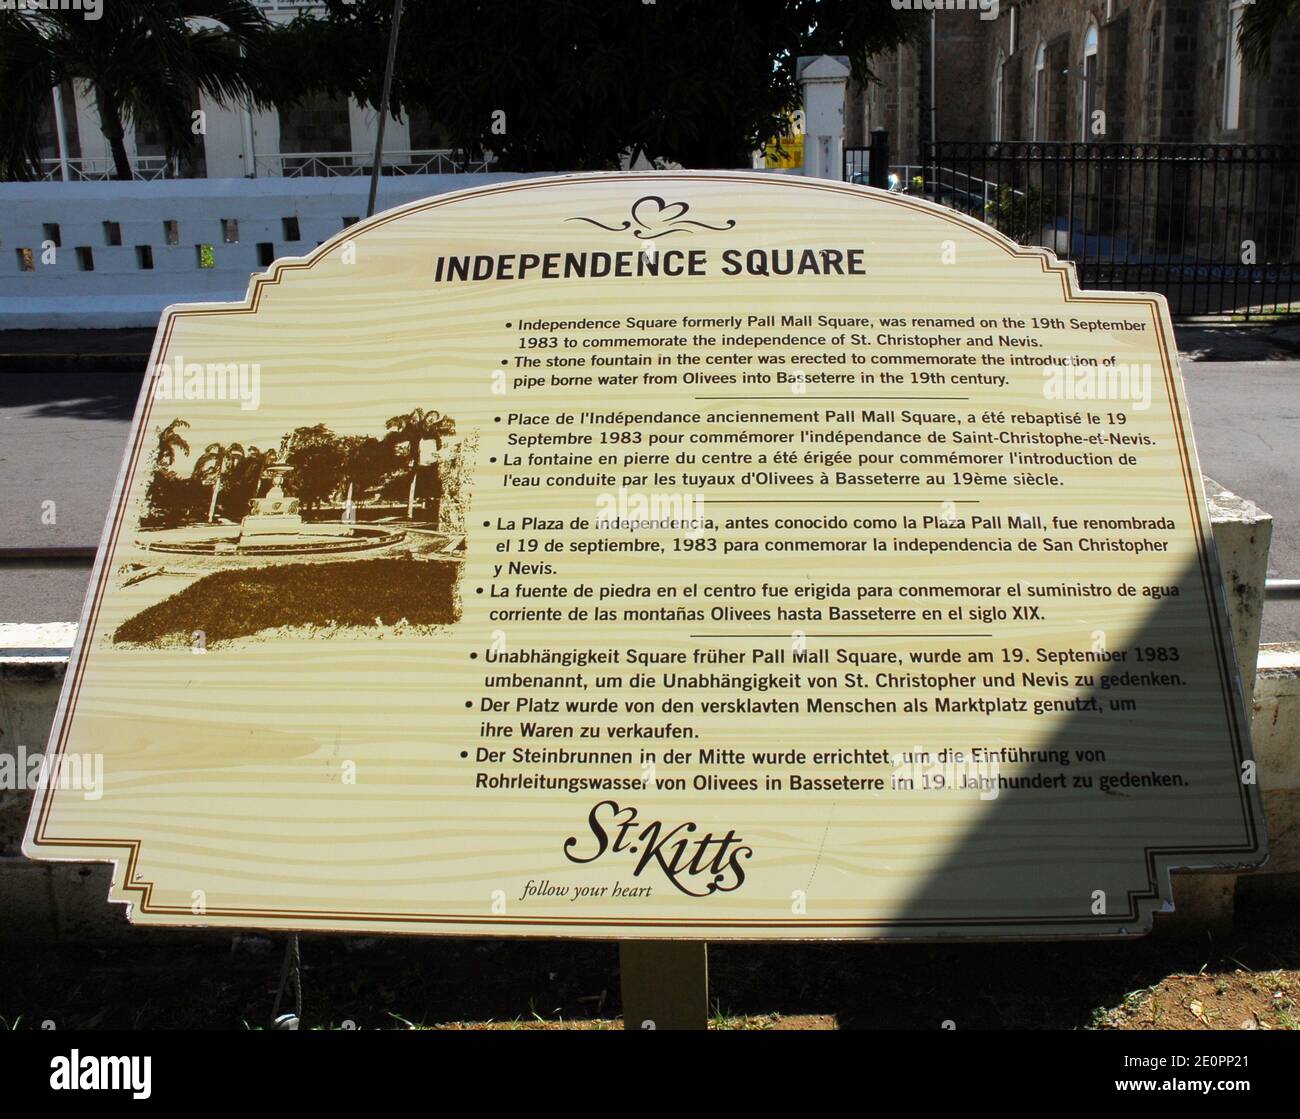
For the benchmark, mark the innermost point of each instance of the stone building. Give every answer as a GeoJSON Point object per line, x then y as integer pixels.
{"type": "Point", "coordinates": [1214, 227]}
{"type": "Point", "coordinates": [1119, 70]}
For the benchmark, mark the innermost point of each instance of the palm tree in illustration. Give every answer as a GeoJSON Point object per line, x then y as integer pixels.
{"type": "Point", "coordinates": [413, 429]}
{"type": "Point", "coordinates": [246, 477]}
{"type": "Point", "coordinates": [170, 441]}
{"type": "Point", "coordinates": [218, 460]}
{"type": "Point", "coordinates": [366, 462]}
{"type": "Point", "coordinates": [254, 464]}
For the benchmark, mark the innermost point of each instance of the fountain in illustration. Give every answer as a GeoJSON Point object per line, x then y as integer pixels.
{"type": "Point", "coordinates": [273, 526]}
{"type": "Point", "coordinates": [275, 514]}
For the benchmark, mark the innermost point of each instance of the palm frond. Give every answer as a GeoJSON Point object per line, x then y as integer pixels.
{"type": "Point", "coordinates": [1261, 23]}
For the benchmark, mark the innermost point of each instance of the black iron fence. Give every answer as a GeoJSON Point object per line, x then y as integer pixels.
{"type": "Point", "coordinates": [1215, 227]}
{"type": "Point", "coordinates": [868, 166]}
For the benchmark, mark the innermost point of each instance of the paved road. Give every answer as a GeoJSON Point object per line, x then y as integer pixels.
{"type": "Point", "coordinates": [1245, 417]}
{"type": "Point", "coordinates": [62, 437]}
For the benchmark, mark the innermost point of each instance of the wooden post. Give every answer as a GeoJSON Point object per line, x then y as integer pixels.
{"type": "Point", "coordinates": [665, 984]}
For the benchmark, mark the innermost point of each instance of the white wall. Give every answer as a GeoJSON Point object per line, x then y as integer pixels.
{"type": "Point", "coordinates": [223, 143]}
{"type": "Point", "coordinates": [365, 126]}
{"type": "Point", "coordinates": [119, 292]}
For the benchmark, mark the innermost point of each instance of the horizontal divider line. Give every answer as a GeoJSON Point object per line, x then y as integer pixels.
{"type": "Point", "coordinates": [831, 500]}
{"type": "Point", "coordinates": [795, 397]}
{"type": "Point", "coordinates": [806, 634]}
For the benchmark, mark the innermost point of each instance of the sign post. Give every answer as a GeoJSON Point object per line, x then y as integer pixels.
{"type": "Point", "coordinates": [667, 558]}
{"type": "Point", "coordinates": [665, 984]}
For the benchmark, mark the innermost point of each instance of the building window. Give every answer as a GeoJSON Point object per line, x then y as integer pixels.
{"type": "Point", "coordinates": [999, 94]}
{"type": "Point", "coordinates": [316, 123]}
{"type": "Point", "coordinates": [1090, 80]}
{"type": "Point", "coordinates": [1040, 90]}
{"type": "Point", "coordinates": [1013, 33]}
{"type": "Point", "coordinates": [1232, 67]}
{"type": "Point", "coordinates": [426, 134]}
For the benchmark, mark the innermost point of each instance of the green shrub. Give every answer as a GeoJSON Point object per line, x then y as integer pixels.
{"type": "Point", "coordinates": [1019, 215]}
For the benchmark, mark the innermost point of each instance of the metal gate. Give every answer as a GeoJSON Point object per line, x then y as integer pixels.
{"type": "Point", "coordinates": [1215, 227]}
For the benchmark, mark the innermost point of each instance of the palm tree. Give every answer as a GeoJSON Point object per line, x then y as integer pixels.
{"type": "Point", "coordinates": [413, 429]}
{"type": "Point", "coordinates": [366, 461]}
{"type": "Point", "coordinates": [142, 59]}
{"type": "Point", "coordinates": [212, 466]}
{"type": "Point", "coordinates": [255, 464]}
{"type": "Point", "coordinates": [1261, 22]}
{"type": "Point", "coordinates": [169, 442]}
{"type": "Point", "coordinates": [244, 479]}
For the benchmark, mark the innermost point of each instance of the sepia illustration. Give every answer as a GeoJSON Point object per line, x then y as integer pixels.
{"type": "Point", "coordinates": [324, 535]}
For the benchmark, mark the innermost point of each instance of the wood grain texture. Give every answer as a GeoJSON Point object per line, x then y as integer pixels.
{"type": "Point", "coordinates": [224, 773]}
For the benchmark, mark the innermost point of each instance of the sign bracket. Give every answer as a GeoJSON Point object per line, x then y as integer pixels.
{"type": "Point", "coordinates": [665, 984]}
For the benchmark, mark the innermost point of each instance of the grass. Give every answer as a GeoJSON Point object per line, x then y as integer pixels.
{"type": "Point", "coordinates": [231, 604]}
{"type": "Point", "coordinates": [1284, 315]}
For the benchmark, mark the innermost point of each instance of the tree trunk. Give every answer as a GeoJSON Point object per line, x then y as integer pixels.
{"type": "Point", "coordinates": [212, 509]}
{"type": "Point", "coordinates": [110, 123]}
{"type": "Point", "coordinates": [437, 481]}
{"type": "Point", "coordinates": [415, 471]}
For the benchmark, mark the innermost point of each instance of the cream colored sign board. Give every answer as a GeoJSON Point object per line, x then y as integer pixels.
{"type": "Point", "coordinates": [658, 555]}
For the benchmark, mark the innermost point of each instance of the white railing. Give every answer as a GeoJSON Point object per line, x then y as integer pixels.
{"type": "Point", "coordinates": [965, 192]}
{"type": "Point", "coordinates": [100, 169]}
{"type": "Point", "coordinates": [281, 165]}
{"type": "Point", "coordinates": [294, 165]}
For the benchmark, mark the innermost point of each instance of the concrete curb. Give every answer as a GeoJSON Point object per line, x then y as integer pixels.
{"type": "Point", "coordinates": [75, 351]}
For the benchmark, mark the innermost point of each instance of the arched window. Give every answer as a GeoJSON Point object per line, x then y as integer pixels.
{"type": "Point", "coordinates": [1232, 66]}
{"type": "Point", "coordinates": [1036, 129]}
{"type": "Point", "coordinates": [1091, 78]}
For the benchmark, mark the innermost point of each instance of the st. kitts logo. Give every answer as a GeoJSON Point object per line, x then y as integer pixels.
{"type": "Point", "coordinates": [652, 217]}
{"type": "Point", "coordinates": [697, 865]}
